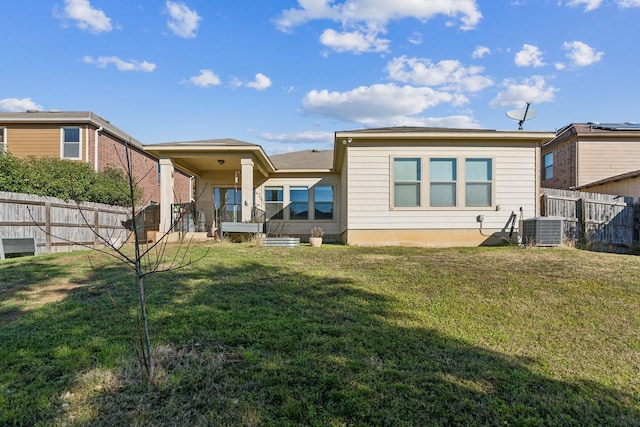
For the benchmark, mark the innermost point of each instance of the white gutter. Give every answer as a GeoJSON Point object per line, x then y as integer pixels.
{"type": "Point", "coordinates": [86, 143]}
{"type": "Point", "coordinates": [95, 149]}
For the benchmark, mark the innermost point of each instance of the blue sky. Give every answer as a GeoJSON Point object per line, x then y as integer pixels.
{"type": "Point", "coordinates": [286, 74]}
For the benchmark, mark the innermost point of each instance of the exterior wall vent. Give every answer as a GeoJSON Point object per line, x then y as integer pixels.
{"type": "Point", "coordinates": [542, 231]}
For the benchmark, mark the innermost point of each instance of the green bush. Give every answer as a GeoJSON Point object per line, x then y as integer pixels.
{"type": "Point", "coordinates": [65, 179]}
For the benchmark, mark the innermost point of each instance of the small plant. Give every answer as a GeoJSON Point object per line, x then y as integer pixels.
{"type": "Point", "coordinates": [317, 232]}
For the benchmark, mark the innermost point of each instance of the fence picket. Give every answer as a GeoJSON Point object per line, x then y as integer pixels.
{"type": "Point", "coordinates": [58, 225]}
{"type": "Point", "coordinates": [601, 222]}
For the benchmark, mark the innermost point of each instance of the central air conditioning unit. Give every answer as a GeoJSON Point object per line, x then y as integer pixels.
{"type": "Point", "coordinates": [542, 231]}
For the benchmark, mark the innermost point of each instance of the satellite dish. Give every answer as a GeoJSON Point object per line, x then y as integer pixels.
{"type": "Point", "coordinates": [522, 115]}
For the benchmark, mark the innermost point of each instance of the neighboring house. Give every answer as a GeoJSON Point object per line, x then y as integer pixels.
{"type": "Point", "coordinates": [626, 184]}
{"type": "Point", "coordinates": [89, 138]}
{"type": "Point", "coordinates": [390, 186]}
{"type": "Point", "coordinates": [585, 156]}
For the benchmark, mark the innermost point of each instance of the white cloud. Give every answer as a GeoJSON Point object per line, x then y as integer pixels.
{"type": "Point", "coordinates": [354, 41]}
{"type": "Point", "coordinates": [629, 3]}
{"type": "Point", "coordinates": [182, 21]}
{"type": "Point", "coordinates": [588, 4]}
{"type": "Point", "coordinates": [480, 52]}
{"type": "Point", "coordinates": [132, 65]}
{"type": "Point", "coordinates": [299, 137]}
{"type": "Point", "coordinates": [533, 89]}
{"type": "Point", "coordinates": [206, 78]}
{"type": "Point", "coordinates": [581, 54]}
{"type": "Point", "coordinates": [15, 105]}
{"type": "Point", "coordinates": [374, 105]}
{"type": "Point", "coordinates": [377, 13]}
{"type": "Point", "coordinates": [529, 56]}
{"type": "Point", "coordinates": [87, 18]}
{"type": "Point", "coordinates": [415, 38]}
{"type": "Point", "coordinates": [448, 74]}
{"type": "Point", "coordinates": [261, 82]}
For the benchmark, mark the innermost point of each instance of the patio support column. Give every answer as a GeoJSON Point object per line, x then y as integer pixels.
{"type": "Point", "coordinates": [247, 189]}
{"type": "Point", "coordinates": [166, 193]}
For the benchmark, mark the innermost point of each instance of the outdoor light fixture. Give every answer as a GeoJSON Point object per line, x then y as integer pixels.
{"type": "Point", "coordinates": [347, 141]}
{"type": "Point", "coordinates": [220, 162]}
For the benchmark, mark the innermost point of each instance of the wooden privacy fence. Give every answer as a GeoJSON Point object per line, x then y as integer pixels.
{"type": "Point", "coordinates": [601, 222]}
{"type": "Point", "coordinates": [58, 225]}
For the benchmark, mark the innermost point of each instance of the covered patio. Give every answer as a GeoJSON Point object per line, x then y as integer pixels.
{"type": "Point", "coordinates": [226, 173]}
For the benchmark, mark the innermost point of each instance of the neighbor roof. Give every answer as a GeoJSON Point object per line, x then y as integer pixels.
{"type": "Point", "coordinates": [304, 160]}
{"type": "Point", "coordinates": [596, 130]}
{"type": "Point", "coordinates": [75, 117]}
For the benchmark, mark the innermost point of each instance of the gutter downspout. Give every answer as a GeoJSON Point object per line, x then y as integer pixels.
{"type": "Point", "coordinates": [95, 148]}
{"type": "Point", "coordinates": [86, 144]}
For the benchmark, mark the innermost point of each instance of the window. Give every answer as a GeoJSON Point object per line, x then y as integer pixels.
{"type": "Point", "coordinates": [3, 140]}
{"type": "Point", "coordinates": [478, 182]}
{"type": "Point", "coordinates": [442, 176]}
{"type": "Point", "coordinates": [70, 143]}
{"type": "Point", "coordinates": [547, 161]}
{"type": "Point", "coordinates": [406, 182]}
{"type": "Point", "coordinates": [299, 203]}
{"type": "Point", "coordinates": [322, 202]}
{"type": "Point", "coordinates": [273, 202]}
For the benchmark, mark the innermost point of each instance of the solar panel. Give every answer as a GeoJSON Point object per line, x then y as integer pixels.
{"type": "Point", "coordinates": [616, 126]}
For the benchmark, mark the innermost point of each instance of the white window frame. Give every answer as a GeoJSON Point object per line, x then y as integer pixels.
{"type": "Point", "coordinates": [455, 182]}
{"type": "Point", "coordinates": [489, 182]}
{"type": "Point", "coordinates": [3, 140]}
{"type": "Point", "coordinates": [62, 142]}
{"type": "Point", "coordinates": [418, 182]}
{"type": "Point", "coordinates": [425, 183]}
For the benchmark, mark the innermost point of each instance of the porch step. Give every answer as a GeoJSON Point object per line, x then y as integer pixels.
{"type": "Point", "coordinates": [286, 242]}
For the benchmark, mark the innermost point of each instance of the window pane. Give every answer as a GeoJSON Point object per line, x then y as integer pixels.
{"type": "Point", "coordinates": [71, 134]}
{"type": "Point", "coordinates": [478, 170]}
{"type": "Point", "coordinates": [548, 166]}
{"type": "Point", "coordinates": [323, 211]}
{"type": "Point", "coordinates": [323, 193]}
{"type": "Point", "coordinates": [406, 195]}
{"type": "Point", "coordinates": [443, 194]}
{"type": "Point", "coordinates": [478, 194]}
{"type": "Point", "coordinates": [406, 169]}
{"type": "Point", "coordinates": [1, 135]}
{"type": "Point", "coordinates": [273, 194]}
{"type": "Point", "coordinates": [71, 151]}
{"type": "Point", "coordinates": [442, 170]}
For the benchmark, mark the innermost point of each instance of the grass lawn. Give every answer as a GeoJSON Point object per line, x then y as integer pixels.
{"type": "Point", "coordinates": [330, 336]}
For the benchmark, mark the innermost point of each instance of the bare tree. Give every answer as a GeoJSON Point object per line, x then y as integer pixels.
{"type": "Point", "coordinates": [148, 257]}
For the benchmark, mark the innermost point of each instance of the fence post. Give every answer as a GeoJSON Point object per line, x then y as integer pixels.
{"type": "Point", "coordinates": [47, 225]}
{"type": "Point", "coordinates": [581, 207]}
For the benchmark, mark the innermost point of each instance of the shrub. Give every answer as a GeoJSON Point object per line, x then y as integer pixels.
{"type": "Point", "coordinates": [64, 179]}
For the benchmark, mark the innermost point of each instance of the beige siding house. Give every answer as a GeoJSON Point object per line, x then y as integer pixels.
{"type": "Point", "coordinates": [437, 187]}
{"type": "Point", "coordinates": [391, 186]}
{"type": "Point", "coordinates": [582, 154]}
